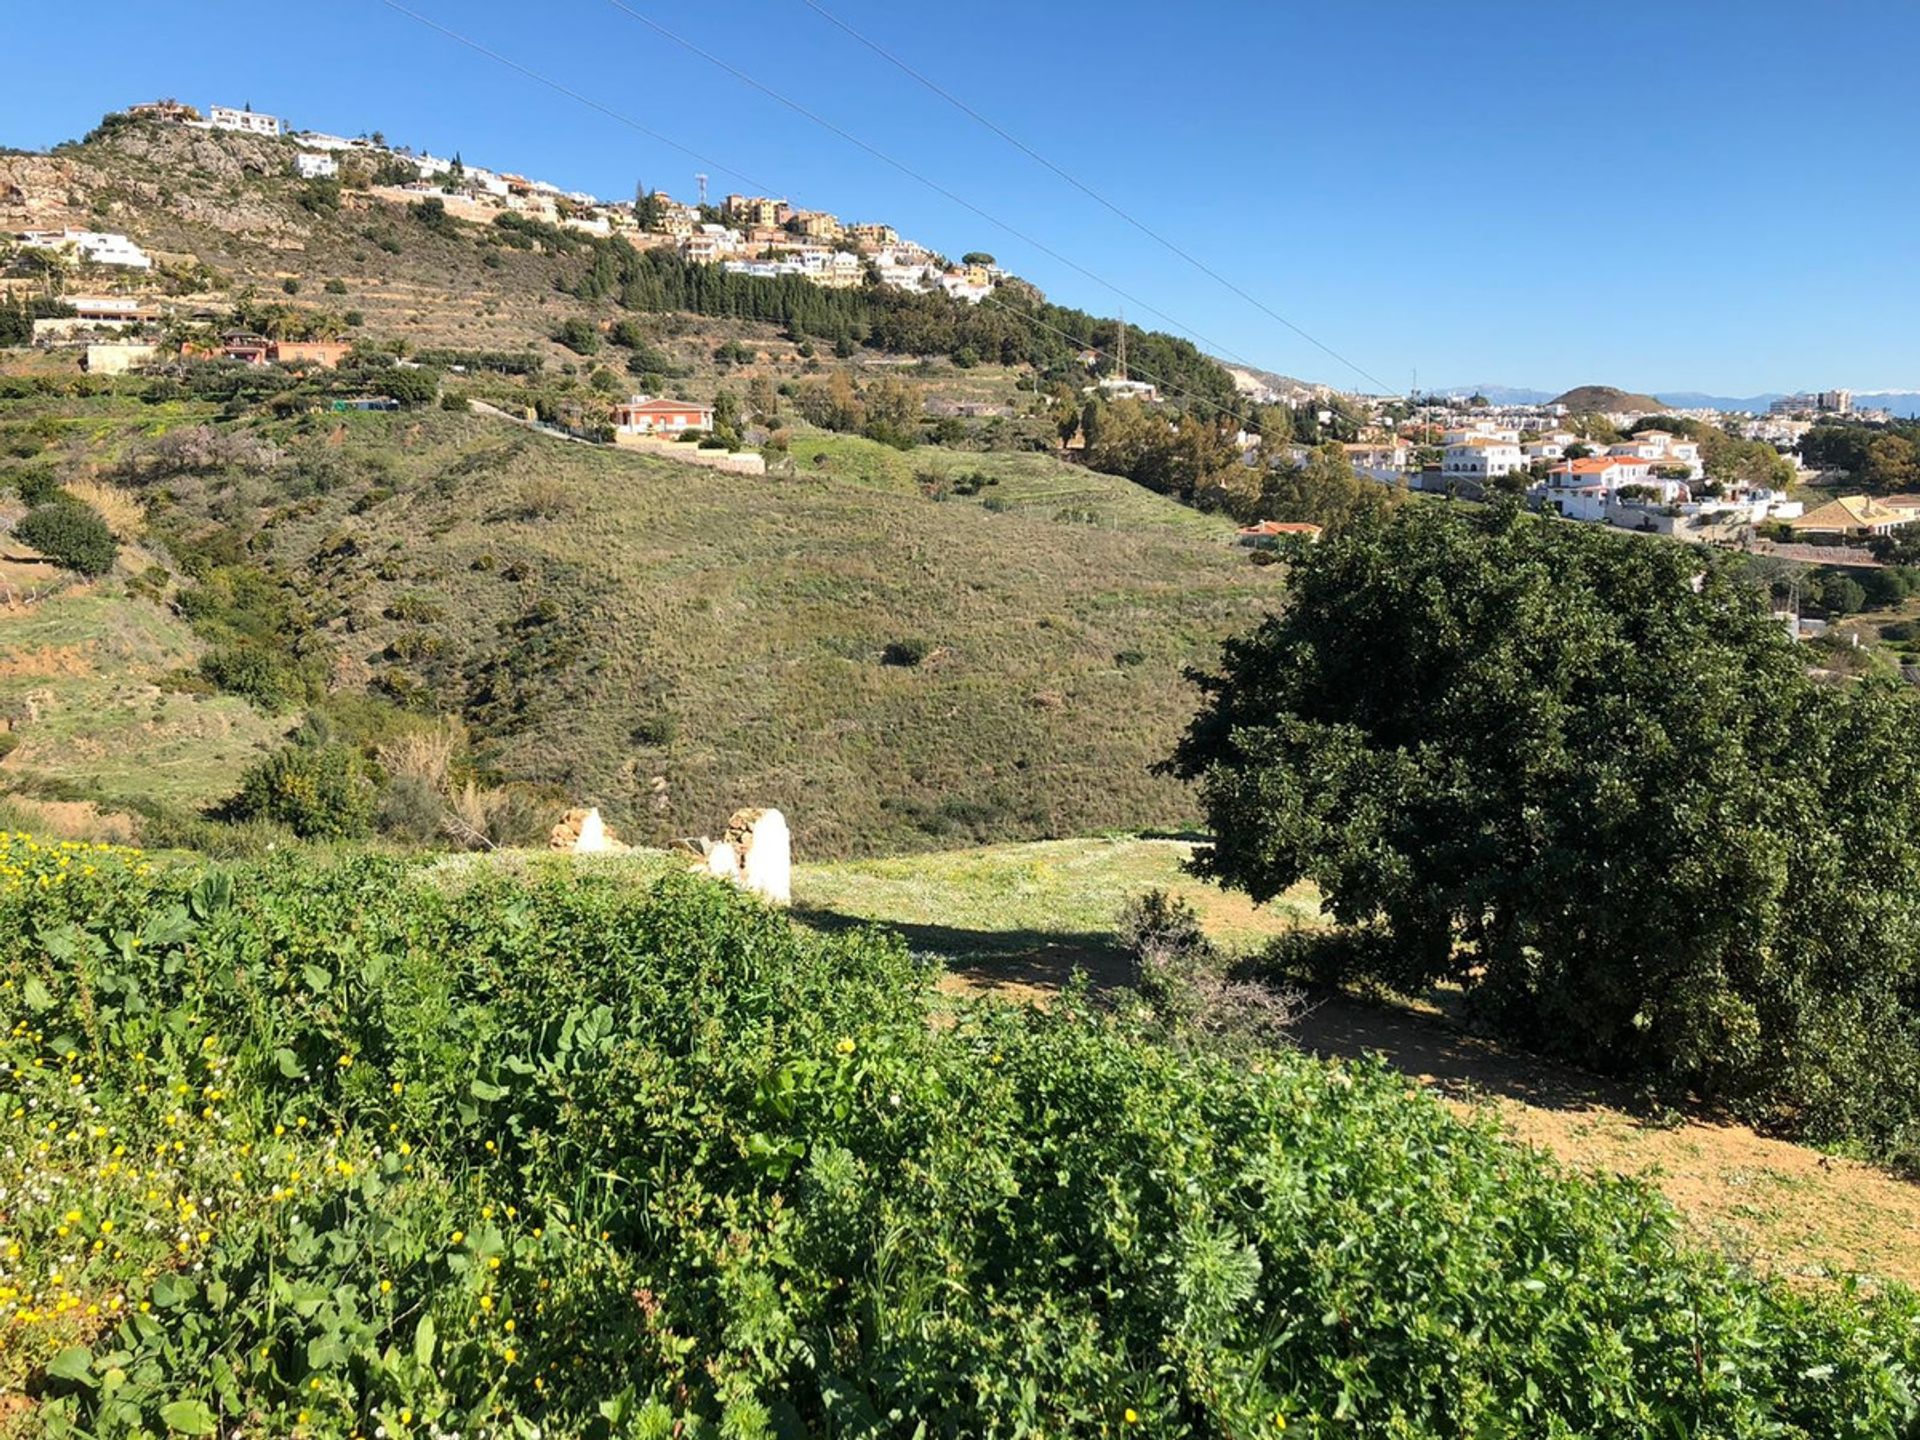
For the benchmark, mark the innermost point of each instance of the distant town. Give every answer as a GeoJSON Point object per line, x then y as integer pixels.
{"type": "Point", "coordinates": [754, 235]}
{"type": "Point", "coordinates": [1616, 465]}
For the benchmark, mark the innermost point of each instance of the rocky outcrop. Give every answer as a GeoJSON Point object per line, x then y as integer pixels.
{"type": "Point", "coordinates": [756, 854]}
{"type": "Point", "coordinates": [583, 832]}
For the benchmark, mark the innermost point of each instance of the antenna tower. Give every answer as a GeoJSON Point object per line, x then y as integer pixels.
{"type": "Point", "coordinates": [703, 189]}
{"type": "Point", "coordinates": [1120, 347]}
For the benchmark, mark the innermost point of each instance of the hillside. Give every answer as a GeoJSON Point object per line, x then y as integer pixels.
{"type": "Point", "coordinates": [672, 642]}
{"type": "Point", "coordinates": [1604, 400]}
{"type": "Point", "coordinates": [900, 644]}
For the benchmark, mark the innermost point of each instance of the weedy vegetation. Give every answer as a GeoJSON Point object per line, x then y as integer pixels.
{"type": "Point", "coordinates": [321, 1148]}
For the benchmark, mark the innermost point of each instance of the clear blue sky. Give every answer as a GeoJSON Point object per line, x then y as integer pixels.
{"type": "Point", "coordinates": [1695, 195]}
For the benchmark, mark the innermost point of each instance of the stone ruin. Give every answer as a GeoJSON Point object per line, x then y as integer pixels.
{"type": "Point", "coordinates": [756, 853]}
{"type": "Point", "coordinates": [585, 833]}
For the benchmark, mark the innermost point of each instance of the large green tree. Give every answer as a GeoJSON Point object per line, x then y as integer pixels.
{"type": "Point", "coordinates": [1588, 778]}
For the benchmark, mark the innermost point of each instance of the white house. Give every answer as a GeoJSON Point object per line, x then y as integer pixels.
{"type": "Point", "coordinates": [1481, 457]}
{"type": "Point", "coordinates": [1587, 489]}
{"type": "Point", "coordinates": [315, 166]}
{"type": "Point", "coordinates": [1662, 448]}
{"type": "Point", "coordinates": [97, 246]}
{"type": "Point", "coordinates": [224, 117]}
{"type": "Point", "coordinates": [320, 140]}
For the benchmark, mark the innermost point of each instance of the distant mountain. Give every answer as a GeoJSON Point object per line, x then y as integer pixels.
{"type": "Point", "coordinates": [1603, 399]}
{"type": "Point", "coordinates": [1498, 394]}
{"type": "Point", "coordinates": [1699, 400]}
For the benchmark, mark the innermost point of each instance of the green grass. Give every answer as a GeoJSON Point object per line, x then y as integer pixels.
{"type": "Point", "coordinates": [671, 643]}
{"type": "Point", "coordinates": [78, 677]}
{"type": "Point", "coordinates": [1027, 483]}
{"type": "Point", "coordinates": [1031, 913]}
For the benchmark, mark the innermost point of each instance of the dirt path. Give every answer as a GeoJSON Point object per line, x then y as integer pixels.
{"type": "Point", "coordinates": [1786, 1208]}
{"type": "Point", "coordinates": [1017, 920]}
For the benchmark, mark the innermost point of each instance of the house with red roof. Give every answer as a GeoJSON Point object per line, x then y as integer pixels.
{"type": "Point", "coordinates": [644, 416]}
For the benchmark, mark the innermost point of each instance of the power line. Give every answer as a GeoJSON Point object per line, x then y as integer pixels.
{"type": "Point", "coordinates": [912, 174]}
{"type": "Point", "coordinates": [571, 94]}
{"type": "Point", "coordinates": [1091, 193]}
{"type": "Point", "coordinates": [613, 114]}
{"type": "Point", "coordinates": [1192, 395]}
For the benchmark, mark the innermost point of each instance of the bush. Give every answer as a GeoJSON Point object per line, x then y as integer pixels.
{"type": "Point", "coordinates": [905, 653]}
{"type": "Point", "coordinates": [71, 535]}
{"type": "Point", "coordinates": [626, 1160]}
{"type": "Point", "coordinates": [1435, 732]}
{"type": "Point", "coordinates": [317, 791]}
{"type": "Point", "coordinates": [255, 673]}
{"type": "Point", "coordinates": [35, 484]}
{"type": "Point", "coordinates": [579, 336]}
{"type": "Point", "coordinates": [336, 287]}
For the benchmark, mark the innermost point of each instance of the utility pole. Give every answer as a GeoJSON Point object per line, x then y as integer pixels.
{"type": "Point", "coordinates": [1120, 349]}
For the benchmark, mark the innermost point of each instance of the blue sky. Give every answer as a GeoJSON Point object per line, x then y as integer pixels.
{"type": "Point", "coordinates": [1666, 196]}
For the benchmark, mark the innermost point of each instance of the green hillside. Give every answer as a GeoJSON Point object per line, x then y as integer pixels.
{"type": "Point", "coordinates": [671, 642]}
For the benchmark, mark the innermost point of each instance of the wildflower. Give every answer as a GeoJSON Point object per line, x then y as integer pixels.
{"type": "Point", "coordinates": [845, 1047]}
{"type": "Point", "coordinates": [512, 1355]}
{"type": "Point", "coordinates": [386, 1287]}
{"type": "Point", "coordinates": [1132, 1417]}
{"type": "Point", "coordinates": [458, 1236]}
{"type": "Point", "coordinates": [398, 1087]}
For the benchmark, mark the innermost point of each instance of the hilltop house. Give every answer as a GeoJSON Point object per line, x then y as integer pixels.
{"type": "Point", "coordinates": [315, 166]}
{"type": "Point", "coordinates": [99, 247]}
{"type": "Point", "coordinates": [225, 117]}
{"type": "Point", "coordinates": [754, 209]}
{"type": "Point", "coordinates": [168, 112]}
{"type": "Point", "coordinates": [644, 416]}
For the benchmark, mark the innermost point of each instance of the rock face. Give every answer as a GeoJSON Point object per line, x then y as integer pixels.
{"type": "Point", "coordinates": [585, 833]}
{"type": "Point", "coordinates": [756, 854]}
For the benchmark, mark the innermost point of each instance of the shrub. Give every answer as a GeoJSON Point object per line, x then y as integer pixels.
{"type": "Point", "coordinates": [578, 335]}
{"type": "Point", "coordinates": [317, 791]}
{"type": "Point", "coordinates": [1434, 732]}
{"type": "Point", "coordinates": [618, 1160]}
{"type": "Point", "coordinates": [336, 286]}
{"type": "Point", "coordinates": [71, 535]}
{"type": "Point", "coordinates": [255, 673]}
{"type": "Point", "coordinates": [906, 653]}
{"type": "Point", "coordinates": [35, 484]}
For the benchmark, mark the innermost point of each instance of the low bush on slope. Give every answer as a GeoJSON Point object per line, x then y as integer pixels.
{"type": "Point", "coordinates": [316, 1149]}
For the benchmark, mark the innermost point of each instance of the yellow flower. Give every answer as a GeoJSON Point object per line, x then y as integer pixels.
{"type": "Point", "coordinates": [458, 1236]}
{"type": "Point", "coordinates": [845, 1047]}
{"type": "Point", "coordinates": [1132, 1417]}
{"type": "Point", "coordinates": [512, 1355]}
{"type": "Point", "coordinates": [398, 1087]}
{"type": "Point", "coordinates": [386, 1287]}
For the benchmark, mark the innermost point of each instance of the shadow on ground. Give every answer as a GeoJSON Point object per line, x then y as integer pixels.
{"type": "Point", "coordinates": [1020, 963]}
{"type": "Point", "coordinates": [1448, 1060]}
{"type": "Point", "coordinates": [1431, 1049]}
